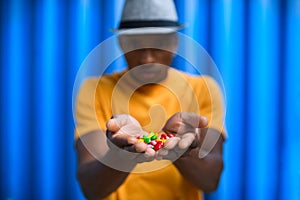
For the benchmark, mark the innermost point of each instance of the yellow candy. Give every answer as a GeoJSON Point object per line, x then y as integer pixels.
{"type": "Point", "coordinates": [150, 134]}
{"type": "Point", "coordinates": [140, 140]}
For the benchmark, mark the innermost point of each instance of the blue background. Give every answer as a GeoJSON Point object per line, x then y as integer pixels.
{"type": "Point", "coordinates": [255, 45]}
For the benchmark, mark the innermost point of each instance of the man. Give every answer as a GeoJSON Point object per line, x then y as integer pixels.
{"type": "Point", "coordinates": [113, 110]}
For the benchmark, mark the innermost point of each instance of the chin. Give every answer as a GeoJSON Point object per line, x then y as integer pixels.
{"type": "Point", "coordinates": [145, 78]}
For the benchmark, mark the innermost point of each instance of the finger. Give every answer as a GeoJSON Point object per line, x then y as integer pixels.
{"type": "Point", "coordinates": [162, 152]}
{"type": "Point", "coordinates": [148, 156]}
{"type": "Point", "coordinates": [122, 140]}
{"type": "Point", "coordinates": [132, 140]}
{"type": "Point", "coordinates": [125, 119]}
{"type": "Point", "coordinates": [171, 143]}
{"type": "Point", "coordinates": [140, 147]}
{"type": "Point", "coordinates": [113, 125]}
{"type": "Point", "coordinates": [131, 129]}
{"type": "Point", "coordinates": [149, 153]}
{"type": "Point", "coordinates": [194, 120]}
{"type": "Point", "coordinates": [203, 122]}
{"type": "Point", "coordinates": [190, 119]}
{"type": "Point", "coordinates": [119, 121]}
{"type": "Point", "coordinates": [183, 121]}
{"type": "Point", "coordinates": [173, 124]}
{"type": "Point", "coordinates": [186, 140]}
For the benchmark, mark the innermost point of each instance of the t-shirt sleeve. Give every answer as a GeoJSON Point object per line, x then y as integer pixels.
{"type": "Point", "coordinates": [85, 115]}
{"type": "Point", "coordinates": [212, 105]}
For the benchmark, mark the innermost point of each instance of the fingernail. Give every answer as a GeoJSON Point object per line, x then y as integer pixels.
{"type": "Point", "coordinates": [204, 120]}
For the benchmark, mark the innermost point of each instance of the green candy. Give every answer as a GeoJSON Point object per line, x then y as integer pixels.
{"type": "Point", "coordinates": [147, 140]}
{"type": "Point", "coordinates": [154, 137]}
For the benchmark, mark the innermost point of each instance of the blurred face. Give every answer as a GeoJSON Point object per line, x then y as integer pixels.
{"type": "Point", "coordinates": [148, 56]}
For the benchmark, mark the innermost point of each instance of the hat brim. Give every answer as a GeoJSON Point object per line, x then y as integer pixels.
{"type": "Point", "coordinates": [147, 30]}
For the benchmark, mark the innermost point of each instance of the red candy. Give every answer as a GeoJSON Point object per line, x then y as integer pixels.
{"type": "Point", "coordinates": [158, 145]}
{"type": "Point", "coordinates": [163, 136]}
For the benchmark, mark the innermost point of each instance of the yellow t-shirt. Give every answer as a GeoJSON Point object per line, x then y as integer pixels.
{"type": "Point", "coordinates": [151, 105]}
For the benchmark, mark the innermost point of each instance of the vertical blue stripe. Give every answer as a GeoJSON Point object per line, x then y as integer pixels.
{"type": "Point", "coordinates": [88, 27]}
{"type": "Point", "coordinates": [291, 147]}
{"type": "Point", "coordinates": [48, 87]}
{"type": "Point", "coordinates": [71, 186]}
{"type": "Point", "coordinates": [281, 121]}
{"type": "Point", "coordinates": [192, 14]}
{"type": "Point", "coordinates": [30, 26]}
{"type": "Point", "coordinates": [17, 85]}
{"type": "Point", "coordinates": [246, 82]}
{"type": "Point", "coordinates": [112, 11]}
{"type": "Point", "coordinates": [219, 19]}
{"type": "Point", "coordinates": [4, 8]}
{"type": "Point", "coordinates": [263, 100]}
{"type": "Point", "coordinates": [82, 30]}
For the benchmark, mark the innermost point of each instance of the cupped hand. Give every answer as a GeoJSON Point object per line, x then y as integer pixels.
{"type": "Point", "coordinates": [122, 132]}
{"type": "Point", "coordinates": [186, 127]}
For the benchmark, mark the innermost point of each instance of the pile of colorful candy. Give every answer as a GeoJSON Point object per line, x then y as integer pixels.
{"type": "Point", "coordinates": [155, 140]}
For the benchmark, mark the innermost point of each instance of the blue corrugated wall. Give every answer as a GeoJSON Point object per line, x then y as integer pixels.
{"type": "Point", "coordinates": [255, 45]}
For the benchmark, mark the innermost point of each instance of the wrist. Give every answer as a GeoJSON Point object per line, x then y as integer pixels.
{"type": "Point", "coordinates": [119, 159]}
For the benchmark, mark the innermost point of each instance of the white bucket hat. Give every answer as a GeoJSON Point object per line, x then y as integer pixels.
{"type": "Point", "coordinates": [148, 17]}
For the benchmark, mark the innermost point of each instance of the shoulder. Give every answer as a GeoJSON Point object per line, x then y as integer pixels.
{"type": "Point", "coordinates": [87, 87]}
{"type": "Point", "coordinates": [199, 81]}
{"type": "Point", "coordinates": [111, 78]}
{"type": "Point", "coordinates": [105, 80]}
{"type": "Point", "coordinates": [203, 84]}
{"type": "Point", "coordinates": [90, 85]}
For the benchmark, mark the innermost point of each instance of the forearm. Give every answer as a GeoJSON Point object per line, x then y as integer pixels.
{"type": "Point", "coordinates": [98, 171]}
{"type": "Point", "coordinates": [203, 172]}
{"type": "Point", "coordinates": [98, 180]}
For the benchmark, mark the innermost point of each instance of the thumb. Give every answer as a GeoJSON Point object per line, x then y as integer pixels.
{"type": "Point", "coordinates": [112, 125]}
{"type": "Point", "coordinates": [185, 120]}
{"type": "Point", "coordinates": [120, 121]}
{"type": "Point", "coordinates": [194, 120]}
{"type": "Point", "coordinates": [203, 122]}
